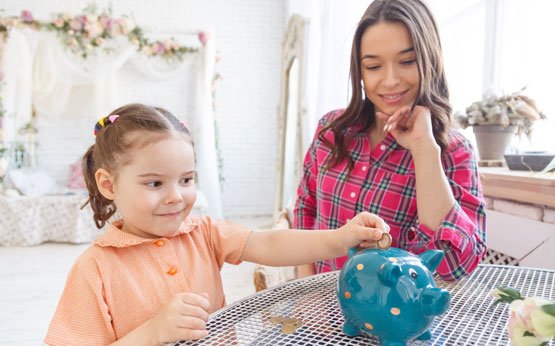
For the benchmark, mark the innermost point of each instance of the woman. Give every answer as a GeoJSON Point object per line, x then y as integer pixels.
{"type": "Point", "coordinates": [393, 150]}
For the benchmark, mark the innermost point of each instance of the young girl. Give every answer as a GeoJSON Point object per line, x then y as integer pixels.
{"type": "Point", "coordinates": [153, 276]}
{"type": "Point", "coordinates": [393, 151]}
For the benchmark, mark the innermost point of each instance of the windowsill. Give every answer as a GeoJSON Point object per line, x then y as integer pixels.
{"type": "Point", "coordinates": [520, 186]}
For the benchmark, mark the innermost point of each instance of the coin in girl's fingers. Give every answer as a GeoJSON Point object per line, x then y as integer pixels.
{"type": "Point", "coordinates": [385, 241]}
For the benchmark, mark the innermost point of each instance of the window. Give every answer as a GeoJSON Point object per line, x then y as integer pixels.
{"type": "Point", "coordinates": [500, 46]}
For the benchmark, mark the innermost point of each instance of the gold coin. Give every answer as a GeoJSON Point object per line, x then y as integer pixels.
{"type": "Point", "coordinates": [385, 241]}
{"type": "Point", "coordinates": [277, 319]}
{"type": "Point", "coordinates": [291, 321]}
{"type": "Point", "coordinates": [289, 329]}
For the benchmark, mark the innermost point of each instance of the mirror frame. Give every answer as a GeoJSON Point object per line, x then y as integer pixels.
{"type": "Point", "coordinates": [294, 47]}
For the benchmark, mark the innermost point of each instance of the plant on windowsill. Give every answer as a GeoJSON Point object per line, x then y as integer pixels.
{"type": "Point", "coordinates": [495, 119]}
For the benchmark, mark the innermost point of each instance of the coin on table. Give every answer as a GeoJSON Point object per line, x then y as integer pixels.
{"type": "Point", "coordinates": [385, 241]}
{"type": "Point", "coordinates": [291, 321]}
{"type": "Point", "coordinates": [288, 329]}
{"type": "Point", "coordinates": [277, 319]}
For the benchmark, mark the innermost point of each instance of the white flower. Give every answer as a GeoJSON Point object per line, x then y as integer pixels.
{"type": "Point", "coordinates": [527, 330]}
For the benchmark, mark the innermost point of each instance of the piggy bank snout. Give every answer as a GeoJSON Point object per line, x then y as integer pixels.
{"type": "Point", "coordinates": [435, 301]}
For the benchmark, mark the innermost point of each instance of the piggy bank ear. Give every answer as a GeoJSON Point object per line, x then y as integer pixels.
{"type": "Point", "coordinates": [389, 273]}
{"type": "Point", "coordinates": [431, 259]}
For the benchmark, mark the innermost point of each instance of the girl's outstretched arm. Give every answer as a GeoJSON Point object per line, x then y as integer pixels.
{"type": "Point", "coordinates": [295, 247]}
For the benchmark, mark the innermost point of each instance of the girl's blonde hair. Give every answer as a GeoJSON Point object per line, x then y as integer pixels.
{"type": "Point", "coordinates": [114, 141]}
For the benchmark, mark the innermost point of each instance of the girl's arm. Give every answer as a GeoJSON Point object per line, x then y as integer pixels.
{"type": "Point", "coordinates": [295, 247]}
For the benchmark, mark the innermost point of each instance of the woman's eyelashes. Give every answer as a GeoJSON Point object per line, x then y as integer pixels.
{"type": "Point", "coordinates": [404, 62]}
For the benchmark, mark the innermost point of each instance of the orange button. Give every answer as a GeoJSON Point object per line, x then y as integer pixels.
{"type": "Point", "coordinates": [159, 243]}
{"type": "Point", "coordinates": [172, 271]}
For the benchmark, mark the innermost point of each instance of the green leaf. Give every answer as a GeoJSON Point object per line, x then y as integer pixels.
{"type": "Point", "coordinates": [508, 294]}
{"type": "Point", "coordinates": [549, 309]}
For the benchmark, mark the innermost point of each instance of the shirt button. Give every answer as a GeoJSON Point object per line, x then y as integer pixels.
{"type": "Point", "coordinates": [172, 271]}
{"type": "Point", "coordinates": [363, 168]}
{"type": "Point", "coordinates": [353, 195]}
{"type": "Point", "coordinates": [382, 147]}
{"type": "Point", "coordinates": [159, 243]}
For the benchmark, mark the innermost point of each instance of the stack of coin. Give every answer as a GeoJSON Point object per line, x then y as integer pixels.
{"type": "Point", "coordinates": [289, 325]}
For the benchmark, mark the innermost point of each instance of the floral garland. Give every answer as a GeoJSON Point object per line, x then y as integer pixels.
{"type": "Point", "coordinates": [83, 34]}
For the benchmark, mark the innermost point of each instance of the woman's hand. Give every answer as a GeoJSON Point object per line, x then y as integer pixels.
{"type": "Point", "coordinates": [364, 230]}
{"type": "Point", "coordinates": [184, 317]}
{"type": "Point", "coordinates": [411, 130]}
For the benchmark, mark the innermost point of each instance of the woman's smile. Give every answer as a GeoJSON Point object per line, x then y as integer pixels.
{"type": "Point", "coordinates": [393, 99]}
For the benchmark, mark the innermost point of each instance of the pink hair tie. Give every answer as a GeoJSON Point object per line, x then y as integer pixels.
{"type": "Point", "coordinates": [113, 118]}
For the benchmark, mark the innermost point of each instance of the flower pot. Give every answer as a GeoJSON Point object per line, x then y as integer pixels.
{"type": "Point", "coordinates": [492, 140]}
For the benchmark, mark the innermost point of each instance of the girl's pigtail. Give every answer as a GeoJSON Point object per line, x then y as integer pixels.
{"type": "Point", "coordinates": [102, 207]}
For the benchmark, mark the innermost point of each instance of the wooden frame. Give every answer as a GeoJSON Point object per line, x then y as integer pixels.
{"type": "Point", "coordinates": [293, 57]}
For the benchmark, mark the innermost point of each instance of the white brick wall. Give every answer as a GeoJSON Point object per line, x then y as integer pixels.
{"type": "Point", "coordinates": [248, 35]}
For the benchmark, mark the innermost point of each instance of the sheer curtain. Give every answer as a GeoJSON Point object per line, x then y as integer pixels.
{"type": "Point", "coordinates": [331, 25]}
{"type": "Point", "coordinates": [66, 90]}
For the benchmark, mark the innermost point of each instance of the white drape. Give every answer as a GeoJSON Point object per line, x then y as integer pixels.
{"type": "Point", "coordinates": [41, 72]}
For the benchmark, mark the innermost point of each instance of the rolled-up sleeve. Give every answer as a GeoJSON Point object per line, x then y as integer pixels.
{"type": "Point", "coordinates": [462, 233]}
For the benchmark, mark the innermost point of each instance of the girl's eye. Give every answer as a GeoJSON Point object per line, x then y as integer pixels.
{"type": "Point", "coordinates": [408, 62]}
{"type": "Point", "coordinates": [154, 184]}
{"type": "Point", "coordinates": [372, 68]}
{"type": "Point", "coordinates": [186, 181]}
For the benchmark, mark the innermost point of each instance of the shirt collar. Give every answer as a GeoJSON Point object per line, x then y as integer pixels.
{"type": "Point", "coordinates": [115, 237]}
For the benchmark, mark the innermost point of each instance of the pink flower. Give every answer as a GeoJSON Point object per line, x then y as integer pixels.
{"type": "Point", "coordinates": [76, 25]}
{"type": "Point", "coordinates": [26, 16]}
{"type": "Point", "coordinates": [83, 19]}
{"type": "Point", "coordinates": [202, 37]}
{"type": "Point", "coordinates": [159, 49]}
{"type": "Point", "coordinates": [58, 22]}
{"type": "Point", "coordinates": [526, 317]}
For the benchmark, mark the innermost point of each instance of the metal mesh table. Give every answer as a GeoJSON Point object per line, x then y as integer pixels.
{"type": "Point", "coordinates": [472, 319]}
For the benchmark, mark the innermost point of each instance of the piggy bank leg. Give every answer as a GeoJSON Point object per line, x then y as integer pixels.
{"type": "Point", "coordinates": [427, 335]}
{"type": "Point", "coordinates": [350, 329]}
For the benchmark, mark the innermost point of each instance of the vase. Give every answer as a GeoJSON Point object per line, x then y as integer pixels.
{"type": "Point", "coordinates": [493, 140]}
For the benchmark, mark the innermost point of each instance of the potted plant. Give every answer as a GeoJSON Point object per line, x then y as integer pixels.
{"type": "Point", "coordinates": [495, 119]}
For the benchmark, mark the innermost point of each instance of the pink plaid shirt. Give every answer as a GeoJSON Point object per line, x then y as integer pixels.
{"type": "Point", "coordinates": [383, 182]}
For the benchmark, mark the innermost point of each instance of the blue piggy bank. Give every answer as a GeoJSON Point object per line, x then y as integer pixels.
{"type": "Point", "coordinates": [391, 294]}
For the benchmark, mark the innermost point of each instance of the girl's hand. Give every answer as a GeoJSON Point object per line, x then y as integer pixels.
{"type": "Point", "coordinates": [410, 129]}
{"type": "Point", "coordinates": [364, 230]}
{"type": "Point", "coordinates": [184, 317]}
